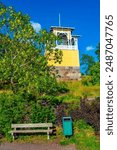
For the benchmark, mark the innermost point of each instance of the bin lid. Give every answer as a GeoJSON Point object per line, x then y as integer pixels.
{"type": "Point", "coordinates": [64, 118]}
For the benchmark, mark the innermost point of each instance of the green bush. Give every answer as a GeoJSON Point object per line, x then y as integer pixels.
{"type": "Point", "coordinates": [12, 110]}
{"type": "Point", "coordinates": [42, 114]}
{"type": "Point", "coordinates": [62, 87]}
{"type": "Point", "coordinates": [50, 100]}
{"type": "Point", "coordinates": [95, 73]}
{"type": "Point", "coordinates": [86, 80]}
{"type": "Point", "coordinates": [90, 112]}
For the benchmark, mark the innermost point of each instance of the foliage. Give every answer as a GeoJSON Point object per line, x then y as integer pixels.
{"type": "Point", "coordinates": [97, 52]}
{"type": "Point", "coordinates": [11, 111]}
{"type": "Point", "coordinates": [40, 113]}
{"type": "Point", "coordinates": [87, 62]}
{"type": "Point", "coordinates": [90, 112]}
{"type": "Point", "coordinates": [86, 80]}
{"type": "Point", "coordinates": [92, 68]}
{"type": "Point", "coordinates": [95, 69]}
{"type": "Point", "coordinates": [85, 136]}
{"type": "Point", "coordinates": [22, 66]}
{"type": "Point", "coordinates": [95, 73]}
{"type": "Point", "coordinates": [63, 87]}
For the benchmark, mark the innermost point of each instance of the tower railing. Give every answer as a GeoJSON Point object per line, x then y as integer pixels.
{"type": "Point", "coordinates": [67, 47]}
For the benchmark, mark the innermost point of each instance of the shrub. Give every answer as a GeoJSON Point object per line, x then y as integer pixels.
{"type": "Point", "coordinates": [95, 73]}
{"type": "Point", "coordinates": [50, 100]}
{"type": "Point", "coordinates": [60, 112]}
{"type": "Point", "coordinates": [66, 109]}
{"type": "Point", "coordinates": [84, 136]}
{"type": "Point", "coordinates": [42, 114]}
{"type": "Point", "coordinates": [11, 111]}
{"type": "Point", "coordinates": [90, 112]}
{"type": "Point", "coordinates": [86, 80]}
{"type": "Point", "coordinates": [62, 87]}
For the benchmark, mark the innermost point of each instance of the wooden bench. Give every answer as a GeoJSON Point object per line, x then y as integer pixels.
{"type": "Point", "coordinates": [31, 128]}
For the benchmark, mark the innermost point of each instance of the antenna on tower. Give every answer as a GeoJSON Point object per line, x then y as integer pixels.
{"type": "Point", "coordinates": [59, 20]}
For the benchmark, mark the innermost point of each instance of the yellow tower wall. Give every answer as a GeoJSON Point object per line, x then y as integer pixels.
{"type": "Point", "coordinates": [69, 58]}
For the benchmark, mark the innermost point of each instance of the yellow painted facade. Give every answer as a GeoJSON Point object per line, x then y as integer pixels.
{"type": "Point", "coordinates": [70, 51]}
{"type": "Point", "coordinates": [69, 58]}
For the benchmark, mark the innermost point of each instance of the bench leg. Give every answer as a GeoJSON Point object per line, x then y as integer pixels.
{"type": "Point", "coordinates": [13, 136]}
{"type": "Point", "coordinates": [48, 137]}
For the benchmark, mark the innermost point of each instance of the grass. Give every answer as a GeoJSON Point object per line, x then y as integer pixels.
{"type": "Point", "coordinates": [70, 98]}
{"type": "Point", "coordinates": [28, 138]}
{"type": "Point", "coordinates": [78, 91]}
{"type": "Point", "coordinates": [6, 92]}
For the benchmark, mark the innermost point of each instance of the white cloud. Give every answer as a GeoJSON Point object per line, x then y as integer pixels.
{"type": "Point", "coordinates": [36, 26]}
{"type": "Point", "coordinates": [89, 48]}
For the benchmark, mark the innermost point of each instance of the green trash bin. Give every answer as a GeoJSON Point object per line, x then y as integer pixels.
{"type": "Point", "coordinates": [67, 126]}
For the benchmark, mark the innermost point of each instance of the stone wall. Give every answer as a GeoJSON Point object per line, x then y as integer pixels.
{"type": "Point", "coordinates": [68, 73]}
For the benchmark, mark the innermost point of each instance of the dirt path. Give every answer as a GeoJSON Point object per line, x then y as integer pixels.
{"type": "Point", "coordinates": [41, 146]}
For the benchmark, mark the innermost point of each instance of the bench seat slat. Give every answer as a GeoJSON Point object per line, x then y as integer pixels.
{"type": "Point", "coordinates": [30, 131]}
{"type": "Point", "coordinates": [34, 125]}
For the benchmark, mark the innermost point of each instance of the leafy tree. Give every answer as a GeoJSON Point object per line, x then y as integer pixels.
{"type": "Point", "coordinates": [22, 66]}
{"type": "Point", "coordinates": [95, 73]}
{"type": "Point", "coordinates": [92, 68]}
{"type": "Point", "coordinates": [97, 52]}
{"type": "Point", "coordinates": [95, 69]}
{"type": "Point", "coordinates": [87, 62]}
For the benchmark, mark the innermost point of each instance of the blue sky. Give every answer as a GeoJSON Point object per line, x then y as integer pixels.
{"type": "Point", "coordinates": [84, 15]}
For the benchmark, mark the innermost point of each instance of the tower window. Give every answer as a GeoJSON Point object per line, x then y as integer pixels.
{"type": "Point", "coordinates": [63, 37]}
{"type": "Point", "coordinates": [72, 41]}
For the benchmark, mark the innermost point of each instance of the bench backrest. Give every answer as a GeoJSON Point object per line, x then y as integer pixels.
{"type": "Point", "coordinates": [31, 125]}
